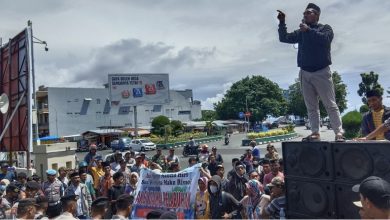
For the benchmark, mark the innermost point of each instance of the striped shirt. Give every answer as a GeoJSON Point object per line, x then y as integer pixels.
{"type": "Point", "coordinates": [273, 209]}
{"type": "Point", "coordinates": [377, 118]}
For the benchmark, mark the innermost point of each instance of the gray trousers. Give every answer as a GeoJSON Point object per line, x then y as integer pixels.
{"type": "Point", "coordinates": [319, 84]}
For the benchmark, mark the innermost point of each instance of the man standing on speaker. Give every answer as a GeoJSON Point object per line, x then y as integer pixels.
{"type": "Point", "coordinates": [374, 195]}
{"type": "Point", "coordinates": [376, 117]}
{"type": "Point", "coordinates": [314, 44]}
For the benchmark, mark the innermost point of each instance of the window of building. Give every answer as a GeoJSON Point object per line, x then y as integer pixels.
{"type": "Point", "coordinates": [98, 101]}
{"type": "Point", "coordinates": [184, 112]}
{"type": "Point", "coordinates": [69, 165]}
{"type": "Point", "coordinates": [157, 108]}
{"type": "Point", "coordinates": [124, 110]}
{"type": "Point", "coordinates": [54, 166]}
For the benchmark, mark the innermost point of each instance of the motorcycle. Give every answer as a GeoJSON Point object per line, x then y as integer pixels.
{"type": "Point", "coordinates": [227, 141]}
{"type": "Point", "coordinates": [190, 150]}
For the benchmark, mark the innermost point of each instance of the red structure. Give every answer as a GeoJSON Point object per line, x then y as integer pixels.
{"type": "Point", "coordinates": [15, 82]}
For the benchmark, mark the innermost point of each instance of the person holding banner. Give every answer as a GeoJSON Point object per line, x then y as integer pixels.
{"type": "Point", "coordinates": [222, 204]}
{"type": "Point", "coordinates": [202, 208]}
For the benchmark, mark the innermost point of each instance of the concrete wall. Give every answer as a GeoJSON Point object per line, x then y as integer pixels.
{"type": "Point", "coordinates": [76, 110]}
{"type": "Point", "coordinates": [54, 156]}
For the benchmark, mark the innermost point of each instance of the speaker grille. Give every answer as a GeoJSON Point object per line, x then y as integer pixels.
{"type": "Point", "coordinates": [313, 199]}
{"type": "Point", "coordinates": [309, 160]}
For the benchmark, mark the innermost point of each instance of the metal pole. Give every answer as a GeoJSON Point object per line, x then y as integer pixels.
{"type": "Point", "coordinates": [135, 122]}
{"type": "Point", "coordinates": [246, 117]}
{"type": "Point", "coordinates": [33, 94]}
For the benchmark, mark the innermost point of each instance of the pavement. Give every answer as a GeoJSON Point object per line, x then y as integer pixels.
{"type": "Point", "coordinates": [234, 149]}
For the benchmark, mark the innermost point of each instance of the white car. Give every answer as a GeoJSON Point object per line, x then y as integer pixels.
{"type": "Point", "coordinates": [142, 145]}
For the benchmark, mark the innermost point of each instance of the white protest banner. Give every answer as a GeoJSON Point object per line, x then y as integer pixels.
{"type": "Point", "coordinates": [167, 191]}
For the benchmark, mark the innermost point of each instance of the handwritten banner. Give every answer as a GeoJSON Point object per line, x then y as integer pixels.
{"type": "Point", "coordinates": [167, 191]}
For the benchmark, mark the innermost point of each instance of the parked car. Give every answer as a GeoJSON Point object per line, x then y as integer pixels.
{"type": "Point", "coordinates": [299, 122]}
{"type": "Point", "coordinates": [142, 145]}
{"type": "Point", "coordinates": [111, 157]}
{"type": "Point", "coordinates": [121, 144]}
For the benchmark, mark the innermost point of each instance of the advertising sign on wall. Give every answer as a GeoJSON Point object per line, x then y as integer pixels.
{"type": "Point", "coordinates": [137, 89]}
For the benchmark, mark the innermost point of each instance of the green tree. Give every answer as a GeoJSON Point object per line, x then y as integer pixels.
{"type": "Point", "coordinates": [210, 127]}
{"type": "Point", "coordinates": [351, 124]}
{"type": "Point", "coordinates": [256, 94]}
{"type": "Point", "coordinates": [159, 124]}
{"type": "Point", "coordinates": [364, 108]}
{"type": "Point", "coordinates": [208, 115]}
{"type": "Point", "coordinates": [177, 127]}
{"type": "Point", "coordinates": [369, 82]}
{"type": "Point", "coordinates": [296, 104]}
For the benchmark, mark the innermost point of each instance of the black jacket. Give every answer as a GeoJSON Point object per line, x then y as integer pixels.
{"type": "Point", "coordinates": [368, 125]}
{"type": "Point", "coordinates": [236, 186]}
{"type": "Point", "coordinates": [223, 202]}
{"type": "Point", "coordinates": [313, 46]}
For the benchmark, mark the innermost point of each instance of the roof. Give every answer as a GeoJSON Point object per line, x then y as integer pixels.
{"type": "Point", "coordinates": [104, 131]}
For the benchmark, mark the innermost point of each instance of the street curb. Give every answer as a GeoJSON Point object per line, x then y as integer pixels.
{"type": "Point", "coordinates": [182, 143]}
{"type": "Point", "coordinates": [271, 139]}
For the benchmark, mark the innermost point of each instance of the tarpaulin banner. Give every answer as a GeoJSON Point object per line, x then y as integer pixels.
{"type": "Point", "coordinates": [167, 191]}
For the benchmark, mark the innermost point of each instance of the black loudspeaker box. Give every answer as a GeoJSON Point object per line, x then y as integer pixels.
{"type": "Point", "coordinates": [354, 161]}
{"type": "Point", "coordinates": [308, 160]}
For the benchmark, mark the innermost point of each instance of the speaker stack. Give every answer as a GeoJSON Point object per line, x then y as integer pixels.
{"type": "Point", "coordinates": [319, 176]}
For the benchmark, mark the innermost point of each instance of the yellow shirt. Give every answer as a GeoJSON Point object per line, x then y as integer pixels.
{"type": "Point", "coordinates": [96, 174]}
{"type": "Point", "coordinates": [377, 118]}
{"type": "Point", "coordinates": [202, 209]}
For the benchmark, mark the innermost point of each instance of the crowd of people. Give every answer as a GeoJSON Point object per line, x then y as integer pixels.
{"type": "Point", "coordinates": [105, 188]}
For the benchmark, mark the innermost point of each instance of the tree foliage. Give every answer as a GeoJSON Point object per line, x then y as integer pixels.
{"type": "Point", "coordinates": [351, 124]}
{"type": "Point", "coordinates": [177, 127]}
{"type": "Point", "coordinates": [159, 123]}
{"type": "Point", "coordinates": [296, 104]}
{"type": "Point", "coordinates": [369, 82]}
{"type": "Point", "coordinates": [208, 115]}
{"type": "Point", "coordinates": [257, 94]}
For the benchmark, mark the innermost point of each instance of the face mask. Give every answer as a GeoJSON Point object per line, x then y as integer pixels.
{"type": "Point", "coordinates": [213, 189]}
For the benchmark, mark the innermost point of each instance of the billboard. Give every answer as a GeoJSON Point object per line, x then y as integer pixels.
{"type": "Point", "coordinates": [15, 82]}
{"type": "Point", "coordinates": [138, 89]}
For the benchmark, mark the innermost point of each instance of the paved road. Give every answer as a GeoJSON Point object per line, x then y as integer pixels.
{"type": "Point", "coordinates": [234, 149]}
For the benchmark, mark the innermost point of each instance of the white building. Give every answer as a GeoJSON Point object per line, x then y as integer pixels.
{"type": "Point", "coordinates": [69, 111]}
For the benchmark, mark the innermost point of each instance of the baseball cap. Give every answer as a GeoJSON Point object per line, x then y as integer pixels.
{"type": "Point", "coordinates": [276, 181]}
{"type": "Point", "coordinates": [51, 172]}
{"type": "Point", "coordinates": [69, 198]}
{"type": "Point", "coordinates": [100, 201]}
{"type": "Point", "coordinates": [376, 189]}
{"type": "Point", "coordinates": [12, 188]}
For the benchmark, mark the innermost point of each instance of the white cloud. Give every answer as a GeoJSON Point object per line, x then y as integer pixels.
{"type": "Point", "coordinates": [208, 104]}
{"type": "Point", "coordinates": [202, 44]}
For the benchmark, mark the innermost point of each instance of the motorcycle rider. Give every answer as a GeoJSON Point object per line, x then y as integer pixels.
{"type": "Point", "coordinates": [204, 153]}
{"type": "Point", "coordinates": [227, 138]}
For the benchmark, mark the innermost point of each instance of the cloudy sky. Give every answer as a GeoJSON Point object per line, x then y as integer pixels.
{"type": "Point", "coordinates": [205, 45]}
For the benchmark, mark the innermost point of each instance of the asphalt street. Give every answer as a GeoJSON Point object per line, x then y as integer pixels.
{"type": "Point", "coordinates": [234, 149]}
